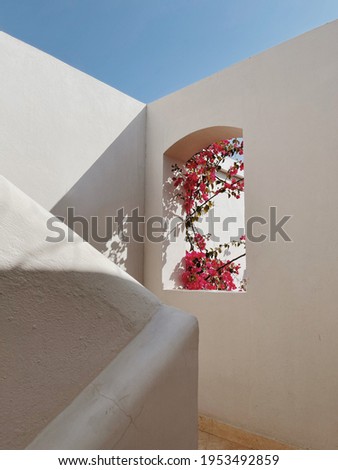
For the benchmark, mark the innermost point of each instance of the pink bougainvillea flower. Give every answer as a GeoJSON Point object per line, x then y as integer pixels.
{"type": "Point", "coordinates": [197, 183]}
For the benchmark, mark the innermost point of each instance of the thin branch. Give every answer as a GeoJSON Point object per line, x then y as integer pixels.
{"type": "Point", "coordinates": [229, 262]}
{"type": "Point", "coordinates": [202, 205]}
{"type": "Point", "coordinates": [226, 264]}
{"type": "Point", "coordinates": [210, 198]}
{"type": "Point", "coordinates": [195, 233]}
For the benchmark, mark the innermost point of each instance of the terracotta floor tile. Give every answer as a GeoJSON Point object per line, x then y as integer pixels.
{"type": "Point", "coordinates": [210, 442]}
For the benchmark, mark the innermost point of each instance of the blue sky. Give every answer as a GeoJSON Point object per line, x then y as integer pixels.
{"type": "Point", "coordinates": [149, 48]}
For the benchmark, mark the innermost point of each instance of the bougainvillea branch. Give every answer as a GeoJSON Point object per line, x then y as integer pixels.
{"type": "Point", "coordinates": [197, 183]}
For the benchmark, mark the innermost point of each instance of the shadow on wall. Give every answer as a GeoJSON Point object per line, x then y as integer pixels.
{"type": "Point", "coordinates": [174, 246]}
{"type": "Point", "coordinates": [172, 212]}
{"type": "Point", "coordinates": [114, 181]}
{"type": "Point", "coordinates": [58, 330]}
{"type": "Point", "coordinates": [117, 251]}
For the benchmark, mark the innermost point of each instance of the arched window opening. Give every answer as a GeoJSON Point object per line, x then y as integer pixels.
{"type": "Point", "coordinates": [204, 208]}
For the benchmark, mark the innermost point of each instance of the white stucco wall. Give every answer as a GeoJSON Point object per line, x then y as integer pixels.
{"type": "Point", "coordinates": [146, 398]}
{"type": "Point", "coordinates": [66, 315]}
{"type": "Point", "coordinates": [268, 358]}
{"type": "Point", "coordinates": [68, 139]}
{"type": "Point", "coordinates": [114, 181]}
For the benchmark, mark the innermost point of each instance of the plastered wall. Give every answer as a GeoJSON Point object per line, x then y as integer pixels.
{"type": "Point", "coordinates": [65, 313]}
{"type": "Point", "coordinates": [68, 140]}
{"type": "Point", "coordinates": [268, 358]}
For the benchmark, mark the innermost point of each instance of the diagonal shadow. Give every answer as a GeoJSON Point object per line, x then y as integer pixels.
{"type": "Point", "coordinates": [114, 181]}
{"type": "Point", "coordinates": [59, 330]}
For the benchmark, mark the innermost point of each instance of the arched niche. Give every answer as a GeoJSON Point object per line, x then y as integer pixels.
{"type": "Point", "coordinates": [180, 152]}
{"type": "Point", "coordinates": [192, 143]}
